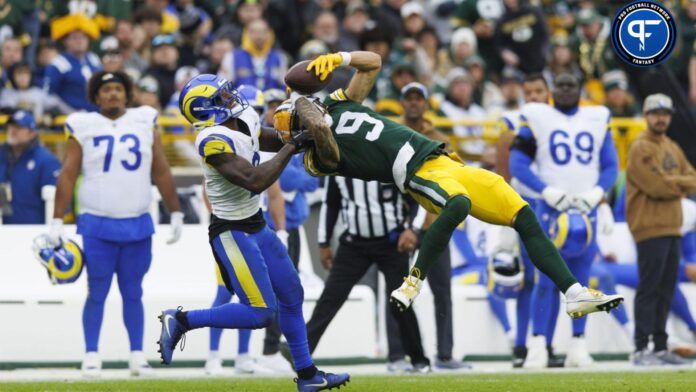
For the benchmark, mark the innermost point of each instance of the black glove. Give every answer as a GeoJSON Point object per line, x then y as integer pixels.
{"type": "Point", "coordinates": [301, 138]}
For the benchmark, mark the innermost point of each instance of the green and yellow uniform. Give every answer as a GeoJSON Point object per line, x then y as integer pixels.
{"type": "Point", "coordinates": [372, 147]}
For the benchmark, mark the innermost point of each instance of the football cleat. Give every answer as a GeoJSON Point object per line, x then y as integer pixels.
{"type": "Point", "coordinates": [138, 365]}
{"type": "Point", "coordinates": [245, 364]}
{"type": "Point", "coordinates": [404, 296]}
{"type": "Point", "coordinates": [399, 366]}
{"type": "Point", "coordinates": [578, 355]}
{"type": "Point", "coordinates": [590, 301]}
{"type": "Point", "coordinates": [554, 360]}
{"type": "Point", "coordinates": [172, 332]}
{"type": "Point", "coordinates": [451, 364]}
{"type": "Point", "coordinates": [537, 356]}
{"type": "Point", "coordinates": [519, 354]}
{"type": "Point", "coordinates": [213, 366]}
{"type": "Point", "coordinates": [275, 362]}
{"type": "Point", "coordinates": [670, 358]}
{"type": "Point", "coordinates": [322, 381]}
{"type": "Point", "coordinates": [646, 357]}
{"type": "Point", "coordinates": [91, 365]}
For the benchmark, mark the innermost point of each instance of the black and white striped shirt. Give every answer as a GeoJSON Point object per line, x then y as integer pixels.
{"type": "Point", "coordinates": [368, 209]}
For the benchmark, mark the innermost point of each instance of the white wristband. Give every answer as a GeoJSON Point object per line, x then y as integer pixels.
{"type": "Point", "coordinates": [345, 56]}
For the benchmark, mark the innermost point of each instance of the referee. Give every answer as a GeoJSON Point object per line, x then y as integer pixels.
{"type": "Point", "coordinates": [376, 222]}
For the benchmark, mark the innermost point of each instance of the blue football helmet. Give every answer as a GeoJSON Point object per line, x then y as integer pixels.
{"type": "Point", "coordinates": [571, 232]}
{"type": "Point", "coordinates": [505, 275]}
{"type": "Point", "coordinates": [254, 96]}
{"type": "Point", "coordinates": [63, 263]}
{"type": "Point", "coordinates": [208, 100]}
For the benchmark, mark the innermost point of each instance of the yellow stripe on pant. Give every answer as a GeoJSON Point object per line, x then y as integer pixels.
{"type": "Point", "coordinates": [242, 271]}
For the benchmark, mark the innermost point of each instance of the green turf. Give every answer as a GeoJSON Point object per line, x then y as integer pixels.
{"type": "Point", "coordinates": [539, 382]}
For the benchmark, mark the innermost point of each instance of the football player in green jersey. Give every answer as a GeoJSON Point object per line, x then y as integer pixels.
{"type": "Point", "coordinates": [352, 140]}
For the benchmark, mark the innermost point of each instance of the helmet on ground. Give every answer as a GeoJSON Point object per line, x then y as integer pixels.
{"type": "Point", "coordinates": [571, 232]}
{"type": "Point", "coordinates": [208, 100]}
{"type": "Point", "coordinates": [63, 263]}
{"type": "Point", "coordinates": [505, 275]}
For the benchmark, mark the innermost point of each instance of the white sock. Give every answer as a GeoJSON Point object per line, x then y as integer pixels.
{"type": "Point", "coordinates": [213, 354]}
{"type": "Point", "coordinates": [573, 291]}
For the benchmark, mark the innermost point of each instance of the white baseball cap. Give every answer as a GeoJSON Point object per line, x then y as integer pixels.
{"type": "Point", "coordinates": [657, 102]}
{"type": "Point", "coordinates": [411, 8]}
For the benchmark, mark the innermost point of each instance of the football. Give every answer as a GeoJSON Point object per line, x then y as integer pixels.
{"type": "Point", "coordinates": [304, 82]}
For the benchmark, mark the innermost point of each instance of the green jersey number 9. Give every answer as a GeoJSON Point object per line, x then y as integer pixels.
{"type": "Point", "coordinates": [351, 122]}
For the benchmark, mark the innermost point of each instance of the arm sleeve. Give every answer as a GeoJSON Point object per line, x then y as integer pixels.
{"type": "Point", "coordinates": [642, 170]}
{"type": "Point", "coordinates": [215, 144]}
{"type": "Point", "coordinates": [608, 162]}
{"type": "Point", "coordinates": [328, 215]}
{"type": "Point", "coordinates": [521, 160]}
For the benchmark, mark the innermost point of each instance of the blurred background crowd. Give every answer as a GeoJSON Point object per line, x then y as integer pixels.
{"type": "Point", "coordinates": [471, 54]}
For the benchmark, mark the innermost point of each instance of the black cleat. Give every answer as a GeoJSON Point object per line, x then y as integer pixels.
{"type": "Point", "coordinates": [519, 355]}
{"type": "Point", "coordinates": [554, 361]}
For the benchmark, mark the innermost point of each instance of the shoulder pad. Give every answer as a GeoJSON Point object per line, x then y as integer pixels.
{"type": "Point", "coordinates": [61, 63]}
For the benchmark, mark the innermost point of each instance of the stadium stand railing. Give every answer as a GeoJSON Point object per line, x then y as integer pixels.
{"type": "Point", "coordinates": [176, 128]}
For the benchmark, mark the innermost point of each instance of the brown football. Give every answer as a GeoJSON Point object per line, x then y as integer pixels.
{"type": "Point", "coordinates": [298, 79]}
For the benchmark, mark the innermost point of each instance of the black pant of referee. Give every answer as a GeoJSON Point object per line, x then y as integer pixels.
{"type": "Point", "coordinates": [353, 257]}
{"type": "Point", "coordinates": [658, 266]}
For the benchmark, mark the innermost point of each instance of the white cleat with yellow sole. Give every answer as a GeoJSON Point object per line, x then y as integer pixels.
{"type": "Point", "coordinates": [588, 301]}
{"type": "Point", "coordinates": [404, 296]}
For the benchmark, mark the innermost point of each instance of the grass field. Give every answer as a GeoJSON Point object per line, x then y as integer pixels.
{"type": "Point", "coordinates": [537, 382]}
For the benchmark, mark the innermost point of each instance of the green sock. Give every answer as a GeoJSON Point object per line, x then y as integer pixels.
{"type": "Point", "coordinates": [542, 251]}
{"type": "Point", "coordinates": [437, 238]}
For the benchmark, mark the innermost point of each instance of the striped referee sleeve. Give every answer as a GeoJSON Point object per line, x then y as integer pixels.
{"type": "Point", "coordinates": [330, 208]}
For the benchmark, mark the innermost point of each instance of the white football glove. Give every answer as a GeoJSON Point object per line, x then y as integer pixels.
{"type": "Point", "coordinates": [55, 232]}
{"type": "Point", "coordinates": [176, 224]}
{"type": "Point", "coordinates": [588, 200]}
{"type": "Point", "coordinates": [605, 219]}
{"type": "Point", "coordinates": [283, 237]}
{"type": "Point", "coordinates": [556, 198]}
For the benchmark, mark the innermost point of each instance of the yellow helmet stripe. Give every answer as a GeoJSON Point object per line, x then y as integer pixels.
{"type": "Point", "coordinates": [77, 263]}
{"type": "Point", "coordinates": [196, 92]}
{"type": "Point", "coordinates": [588, 224]}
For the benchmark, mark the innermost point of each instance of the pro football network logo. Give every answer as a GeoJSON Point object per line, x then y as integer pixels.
{"type": "Point", "coordinates": [643, 33]}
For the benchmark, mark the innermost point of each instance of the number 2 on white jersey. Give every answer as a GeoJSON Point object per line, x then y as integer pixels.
{"type": "Point", "coordinates": [350, 122]}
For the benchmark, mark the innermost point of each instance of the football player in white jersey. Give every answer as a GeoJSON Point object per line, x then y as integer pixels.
{"type": "Point", "coordinates": [535, 89]}
{"type": "Point", "coordinates": [253, 262]}
{"type": "Point", "coordinates": [119, 154]}
{"type": "Point", "coordinates": [577, 163]}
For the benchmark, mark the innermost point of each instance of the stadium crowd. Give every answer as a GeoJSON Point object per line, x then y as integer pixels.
{"type": "Point", "coordinates": [469, 53]}
{"type": "Point", "coordinates": [470, 58]}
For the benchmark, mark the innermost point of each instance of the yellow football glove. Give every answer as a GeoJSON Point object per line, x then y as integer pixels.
{"type": "Point", "coordinates": [325, 64]}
